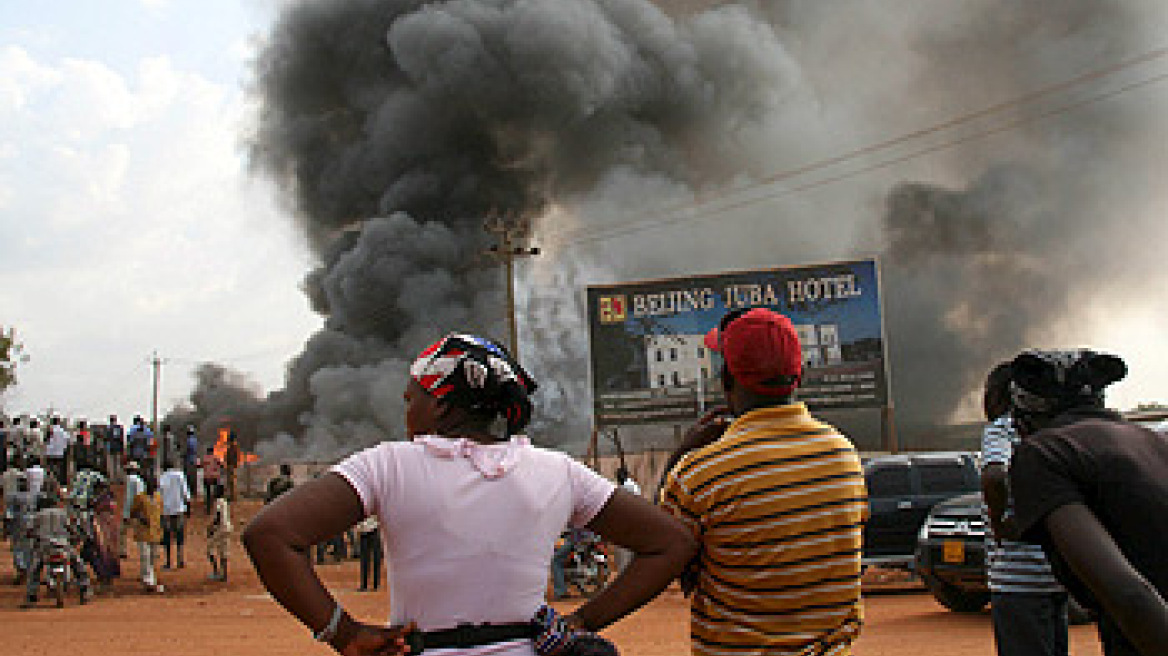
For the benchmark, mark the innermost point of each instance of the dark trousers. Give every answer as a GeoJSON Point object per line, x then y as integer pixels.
{"type": "Point", "coordinates": [370, 544]}
{"type": "Point", "coordinates": [191, 473]}
{"type": "Point", "coordinates": [208, 498]}
{"type": "Point", "coordinates": [1030, 623]}
{"type": "Point", "coordinates": [173, 527]}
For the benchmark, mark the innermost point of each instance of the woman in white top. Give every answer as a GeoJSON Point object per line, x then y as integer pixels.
{"type": "Point", "coordinates": [468, 519]}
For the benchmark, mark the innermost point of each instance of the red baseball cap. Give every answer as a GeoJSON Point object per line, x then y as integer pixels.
{"type": "Point", "coordinates": [761, 349]}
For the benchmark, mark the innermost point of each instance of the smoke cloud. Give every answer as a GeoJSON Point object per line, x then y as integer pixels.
{"type": "Point", "coordinates": [396, 128]}
{"type": "Point", "coordinates": [393, 129]}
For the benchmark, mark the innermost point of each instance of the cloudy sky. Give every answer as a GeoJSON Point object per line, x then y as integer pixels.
{"type": "Point", "coordinates": [129, 223]}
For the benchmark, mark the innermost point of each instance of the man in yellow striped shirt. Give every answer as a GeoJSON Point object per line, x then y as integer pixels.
{"type": "Point", "coordinates": [778, 504]}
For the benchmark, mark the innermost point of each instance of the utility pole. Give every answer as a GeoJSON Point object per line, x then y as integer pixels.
{"type": "Point", "coordinates": [156, 363]}
{"type": "Point", "coordinates": [511, 235]}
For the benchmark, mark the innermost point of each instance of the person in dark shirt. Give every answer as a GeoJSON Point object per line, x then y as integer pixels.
{"type": "Point", "coordinates": [231, 458]}
{"type": "Point", "coordinates": [1093, 490]}
{"type": "Point", "coordinates": [279, 484]}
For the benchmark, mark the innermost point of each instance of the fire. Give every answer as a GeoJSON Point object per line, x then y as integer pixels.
{"type": "Point", "coordinates": [221, 448]}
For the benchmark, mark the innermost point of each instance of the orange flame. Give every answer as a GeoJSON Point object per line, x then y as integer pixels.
{"type": "Point", "coordinates": [221, 449]}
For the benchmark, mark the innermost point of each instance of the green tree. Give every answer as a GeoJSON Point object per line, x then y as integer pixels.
{"type": "Point", "coordinates": [11, 354]}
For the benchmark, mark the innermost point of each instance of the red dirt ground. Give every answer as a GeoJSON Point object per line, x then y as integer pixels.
{"type": "Point", "coordinates": [195, 617]}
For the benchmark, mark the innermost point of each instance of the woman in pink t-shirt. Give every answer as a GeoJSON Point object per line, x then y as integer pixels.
{"type": "Point", "coordinates": [469, 521]}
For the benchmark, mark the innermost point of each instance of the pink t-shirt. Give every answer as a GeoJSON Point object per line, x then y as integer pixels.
{"type": "Point", "coordinates": [469, 529]}
{"type": "Point", "coordinates": [211, 468]}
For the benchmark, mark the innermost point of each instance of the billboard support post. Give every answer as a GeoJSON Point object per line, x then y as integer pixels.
{"type": "Point", "coordinates": [888, 425]}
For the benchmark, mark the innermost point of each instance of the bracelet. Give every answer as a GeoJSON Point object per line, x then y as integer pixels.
{"type": "Point", "coordinates": [330, 630]}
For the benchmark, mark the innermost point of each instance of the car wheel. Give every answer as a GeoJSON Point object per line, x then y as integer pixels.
{"type": "Point", "coordinates": [954, 598]}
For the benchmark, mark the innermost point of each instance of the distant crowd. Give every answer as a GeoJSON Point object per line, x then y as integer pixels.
{"type": "Point", "coordinates": [60, 503]}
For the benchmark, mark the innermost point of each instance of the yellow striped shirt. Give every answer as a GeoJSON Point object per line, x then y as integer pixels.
{"type": "Point", "coordinates": [778, 504]}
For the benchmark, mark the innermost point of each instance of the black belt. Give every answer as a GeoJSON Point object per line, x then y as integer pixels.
{"type": "Point", "coordinates": [469, 635]}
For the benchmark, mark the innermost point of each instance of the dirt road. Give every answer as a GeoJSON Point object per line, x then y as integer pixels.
{"type": "Point", "coordinates": [195, 617]}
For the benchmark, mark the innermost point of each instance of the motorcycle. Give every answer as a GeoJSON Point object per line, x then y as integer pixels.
{"type": "Point", "coordinates": [587, 566]}
{"type": "Point", "coordinates": [57, 573]}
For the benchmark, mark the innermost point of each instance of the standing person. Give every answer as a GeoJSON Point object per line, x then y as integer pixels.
{"type": "Point", "coordinates": [107, 526]}
{"type": "Point", "coordinates": [231, 463]}
{"type": "Point", "coordinates": [778, 504]}
{"type": "Point", "coordinates": [1093, 490]}
{"type": "Point", "coordinates": [212, 472]}
{"type": "Point", "coordinates": [97, 451]}
{"type": "Point", "coordinates": [280, 483]}
{"type": "Point", "coordinates": [55, 449]}
{"type": "Point", "coordinates": [22, 505]}
{"type": "Point", "coordinates": [115, 449]}
{"type": "Point", "coordinates": [1028, 604]}
{"type": "Point", "coordinates": [146, 512]}
{"type": "Point", "coordinates": [134, 486]}
{"type": "Point", "coordinates": [36, 477]}
{"type": "Point", "coordinates": [190, 459]}
{"type": "Point", "coordinates": [34, 441]}
{"type": "Point", "coordinates": [154, 463]}
{"type": "Point", "coordinates": [487, 507]}
{"type": "Point", "coordinates": [167, 448]}
{"type": "Point", "coordinates": [11, 485]}
{"type": "Point", "coordinates": [16, 440]}
{"type": "Point", "coordinates": [138, 444]}
{"type": "Point", "coordinates": [176, 498]}
{"type": "Point", "coordinates": [369, 546]}
{"type": "Point", "coordinates": [218, 533]}
{"type": "Point", "coordinates": [83, 447]}
{"type": "Point", "coordinates": [5, 445]}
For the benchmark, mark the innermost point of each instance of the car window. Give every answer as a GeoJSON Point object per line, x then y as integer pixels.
{"type": "Point", "coordinates": [943, 478]}
{"type": "Point", "coordinates": [889, 481]}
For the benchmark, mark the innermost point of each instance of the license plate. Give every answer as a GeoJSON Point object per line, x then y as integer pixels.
{"type": "Point", "coordinates": [953, 551]}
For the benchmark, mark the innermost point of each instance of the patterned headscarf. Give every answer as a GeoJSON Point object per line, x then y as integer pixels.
{"type": "Point", "coordinates": [1049, 382]}
{"type": "Point", "coordinates": [477, 374]}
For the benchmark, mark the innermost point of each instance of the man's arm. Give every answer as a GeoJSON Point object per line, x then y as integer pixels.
{"type": "Point", "coordinates": [1096, 560]}
{"type": "Point", "coordinates": [995, 491]}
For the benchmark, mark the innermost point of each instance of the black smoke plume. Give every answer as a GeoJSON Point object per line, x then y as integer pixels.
{"type": "Point", "coordinates": [396, 128]}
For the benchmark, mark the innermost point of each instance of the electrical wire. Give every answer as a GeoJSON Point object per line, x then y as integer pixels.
{"type": "Point", "coordinates": [587, 235]}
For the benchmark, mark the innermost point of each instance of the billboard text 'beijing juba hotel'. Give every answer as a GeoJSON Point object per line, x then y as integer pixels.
{"type": "Point", "coordinates": [649, 364]}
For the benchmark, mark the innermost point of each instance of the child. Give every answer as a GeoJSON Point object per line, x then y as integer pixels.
{"type": "Point", "coordinates": [146, 513]}
{"type": "Point", "coordinates": [218, 532]}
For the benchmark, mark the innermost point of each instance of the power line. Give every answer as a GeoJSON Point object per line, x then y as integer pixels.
{"type": "Point", "coordinates": [583, 235]}
{"type": "Point", "coordinates": [639, 227]}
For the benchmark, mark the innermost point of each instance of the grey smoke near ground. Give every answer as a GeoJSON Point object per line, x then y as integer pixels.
{"type": "Point", "coordinates": [393, 128]}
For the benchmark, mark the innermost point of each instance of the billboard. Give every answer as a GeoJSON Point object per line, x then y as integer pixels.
{"type": "Point", "coordinates": [649, 364]}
